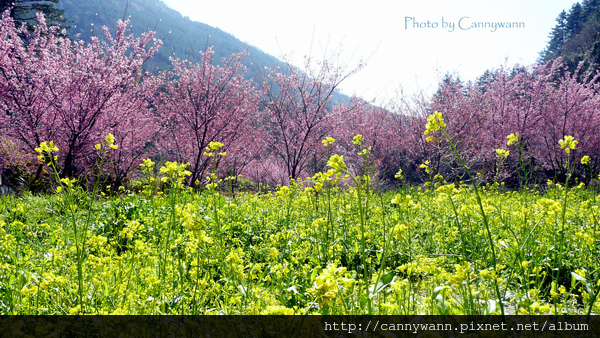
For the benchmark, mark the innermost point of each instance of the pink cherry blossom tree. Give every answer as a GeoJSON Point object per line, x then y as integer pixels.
{"type": "Point", "coordinates": [72, 92]}
{"type": "Point", "coordinates": [571, 107]}
{"type": "Point", "coordinates": [541, 103]}
{"type": "Point", "coordinates": [201, 103]}
{"type": "Point", "coordinates": [300, 111]}
{"type": "Point", "coordinates": [381, 129]}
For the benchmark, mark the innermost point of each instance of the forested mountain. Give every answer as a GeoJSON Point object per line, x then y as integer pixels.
{"type": "Point", "coordinates": [23, 12]}
{"type": "Point", "coordinates": [576, 36]}
{"type": "Point", "coordinates": [181, 37]}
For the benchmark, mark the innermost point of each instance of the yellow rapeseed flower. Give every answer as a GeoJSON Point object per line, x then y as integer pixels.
{"type": "Point", "coordinates": [215, 145]}
{"type": "Point", "coordinates": [110, 141]}
{"type": "Point", "coordinates": [328, 141]}
{"type": "Point", "coordinates": [585, 160]}
{"type": "Point", "coordinates": [110, 138]}
{"type": "Point", "coordinates": [147, 164]}
{"type": "Point", "coordinates": [173, 169]}
{"type": "Point", "coordinates": [426, 167]}
{"type": "Point", "coordinates": [512, 139]}
{"type": "Point", "coordinates": [68, 182]}
{"type": "Point", "coordinates": [46, 147]}
{"type": "Point", "coordinates": [502, 153]}
{"type": "Point", "coordinates": [399, 174]}
{"type": "Point", "coordinates": [568, 143]}
{"type": "Point", "coordinates": [337, 162]}
{"type": "Point", "coordinates": [435, 122]}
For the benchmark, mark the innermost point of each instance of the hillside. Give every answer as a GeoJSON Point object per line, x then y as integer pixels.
{"type": "Point", "coordinates": [181, 37]}
{"type": "Point", "coordinates": [576, 36]}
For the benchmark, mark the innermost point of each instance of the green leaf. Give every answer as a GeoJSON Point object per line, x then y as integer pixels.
{"type": "Point", "coordinates": [491, 308]}
{"type": "Point", "coordinates": [384, 281]}
{"type": "Point", "coordinates": [439, 303]}
{"type": "Point", "coordinates": [575, 277]}
{"type": "Point", "coordinates": [104, 288]}
{"type": "Point", "coordinates": [313, 276]}
{"type": "Point", "coordinates": [437, 291]}
{"type": "Point", "coordinates": [265, 273]}
{"type": "Point", "coordinates": [439, 299]}
{"type": "Point", "coordinates": [578, 277]}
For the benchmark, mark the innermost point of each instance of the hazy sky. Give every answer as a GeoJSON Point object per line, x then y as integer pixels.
{"type": "Point", "coordinates": [407, 44]}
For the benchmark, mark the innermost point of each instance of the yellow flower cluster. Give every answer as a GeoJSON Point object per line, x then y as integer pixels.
{"type": "Point", "coordinates": [435, 122]}
{"type": "Point", "coordinates": [110, 142]}
{"type": "Point", "coordinates": [69, 183]}
{"type": "Point", "coordinates": [585, 160]}
{"type": "Point", "coordinates": [400, 230]}
{"type": "Point", "coordinates": [365, 151]}
{"type": "Point", "coordinates": [175, 171]}
{"type": "Point", "coordinates": [426, 167]}
{"type": "Point", "coordinates": [327, 284]}
{"type": "Point", "coordinates": [147, 165]}
{"type": "Point", "coordinates": [46, 149]}
{"type": "Point", "coordinates": [328, 141]}
{"type": "Point", "coordinates": [447, 189]}
{"type": "Point", "coordinates": [337, 163]}
{"type": "Point", "coordinates": [502, 153]}
{"type": "Point", "coordinates": [568, 143]}
{"type": "Point", "coordinates": [212, 148]}
{"type": "Point", "coordinates": [399, 175]}
{"type": "Point", "coordinates": [512, 139]}
{"type": "Point", "coordinates": [131, 228]}
{"type": "Point", "coordinates": [463, 273]}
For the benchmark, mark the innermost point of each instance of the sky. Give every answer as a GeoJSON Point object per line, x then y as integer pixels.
{"type": "Point", "coordinates": [407, 45]}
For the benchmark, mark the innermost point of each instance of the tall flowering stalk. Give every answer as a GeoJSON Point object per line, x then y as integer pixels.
{"type": "Point", "coordinates": [71, 199]}
{"type": "Point", "coordinates": [175, 175]}
{"type": "Point", "coordinates": [336, 162]}
{"type": "Point", "coordinates": [435, 123]}
{"type": "Point", "coordinates": [213, 181]}
{"type": "Point", "coordinates": [524, 172]}
{"type": "Point", "coordinates": [502, 155]}
{"type": "Point", "coordinates": [568, 143]}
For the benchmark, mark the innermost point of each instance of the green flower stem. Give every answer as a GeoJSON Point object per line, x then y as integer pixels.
{"type": "Point", "coordinates": [485, 220]}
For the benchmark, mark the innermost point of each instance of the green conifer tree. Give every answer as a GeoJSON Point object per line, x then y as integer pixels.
{"type": "Point", "coordinates": [24, 11]}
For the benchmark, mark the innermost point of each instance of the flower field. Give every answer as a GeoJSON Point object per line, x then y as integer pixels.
{"type": "Point", "coordinates": [331, 244]}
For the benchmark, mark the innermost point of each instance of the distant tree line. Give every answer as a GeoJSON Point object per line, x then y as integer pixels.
{"type": "Point", "coordinates": [272, 123]}
{"type": "Point", "coordinates": [24, 12]}
{"type": "Point", "coordinates": [576, 37]}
